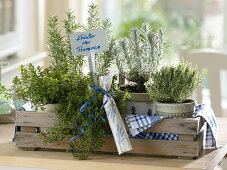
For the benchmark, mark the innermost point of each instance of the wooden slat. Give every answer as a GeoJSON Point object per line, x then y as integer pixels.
{"type": "Point", "coordinates": [157, 147]}
{"type": "Point", "coordinates": [140, 146]}
{"type": "Point", "coordinates": [32, 140]}
{"type": "Point", "coordinates": [35, 119]}
{"type": "Point", "coordinates": [179, 126]}
{"type": "Point", "coordinates": [186, 137]}
{"type": "Point", "coordinates": [188, 126]}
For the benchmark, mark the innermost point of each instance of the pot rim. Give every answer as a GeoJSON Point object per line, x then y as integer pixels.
{"type": "Point", "coordinates": [190, 102]}
{"type": "Point", "coordinates": [134, 92]}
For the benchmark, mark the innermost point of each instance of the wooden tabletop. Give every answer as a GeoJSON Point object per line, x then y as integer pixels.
{"type": "Point", "coordinates": [10, 155]}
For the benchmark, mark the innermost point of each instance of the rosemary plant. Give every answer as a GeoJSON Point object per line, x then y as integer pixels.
{"type": "Point", "coordinates": [138, 56]}
{"type": "Point", "coordinates": [174, 84]}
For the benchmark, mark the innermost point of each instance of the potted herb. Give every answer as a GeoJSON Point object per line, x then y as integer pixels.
{"type": "Point", "coordinates": [137, 57]}
{"type": "Point", "coordinates": [171, 88]}
{"type": "Point", "coordinates": [48, 87]}
{"type": "Point", "coordinates": [64, 83]}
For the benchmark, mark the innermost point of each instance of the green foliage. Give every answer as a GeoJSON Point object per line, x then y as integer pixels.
{"type": "Point", "coordinates": [50, 85]}
{"type": "Point", "coordinates": [69, 119]}
{"type": "Point", "coordinates": [64, 83]}
{"type": "Point", "coordinates": [59, 44]}
{"type": "Point", "coordinates": [174, 84]}
{"type": "Point", "coordinates": [5, 100]}
{"type": "Point", "coordinates": [103, 60]}
{"type": "Point", "coordinates": [3, 90]}
{"type": "Point", "coordinates": [139, 55]}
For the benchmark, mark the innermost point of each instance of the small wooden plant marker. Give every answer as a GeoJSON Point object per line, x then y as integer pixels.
{"type": "Point", "coordinates": [89, 43]}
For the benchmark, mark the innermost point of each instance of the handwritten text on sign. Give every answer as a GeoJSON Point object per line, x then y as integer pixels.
{"type": "Point", "coordinates": [91, 42]}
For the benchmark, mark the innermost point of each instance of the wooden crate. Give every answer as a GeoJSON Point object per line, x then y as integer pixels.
{"type": "Point", "coordinates": [191, 136]}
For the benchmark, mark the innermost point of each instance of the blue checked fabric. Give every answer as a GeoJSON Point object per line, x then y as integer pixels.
{"type": "Point", "coordinates": [138, 123]}
{"type": "Point", "coordinates": [158, 136]}
{"type": "Point", "coordinates": [207, 113]}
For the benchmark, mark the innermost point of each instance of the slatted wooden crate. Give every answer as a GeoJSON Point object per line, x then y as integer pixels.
{"type": "Point", "coordinates": [189, 145]}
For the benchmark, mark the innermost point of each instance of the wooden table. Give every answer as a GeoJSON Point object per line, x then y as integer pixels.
{"type": "Point", "coordinates": [10, 155]}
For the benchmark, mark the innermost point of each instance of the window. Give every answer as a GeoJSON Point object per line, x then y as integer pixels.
{"type": "Point", "coordinates": [9, 41]}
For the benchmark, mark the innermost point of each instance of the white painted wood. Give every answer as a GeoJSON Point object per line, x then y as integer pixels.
{"type": "Point", "coordinates": [214, 61]}
{"type": "Point", "coordinates": [92, 67]}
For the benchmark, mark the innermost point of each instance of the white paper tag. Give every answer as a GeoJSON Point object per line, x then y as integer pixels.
{"type": "Point", "coordinates": [86, 43]}
{"type": "Point", "coordinates": [114, 118]}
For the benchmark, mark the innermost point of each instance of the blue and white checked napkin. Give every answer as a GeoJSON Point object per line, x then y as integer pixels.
{"type": "Point", "coordinates": [138, 123]}
{"type": "Point", "coordinates": [159, 136]}
{"type": "Point", "coordinates": [207, 113]}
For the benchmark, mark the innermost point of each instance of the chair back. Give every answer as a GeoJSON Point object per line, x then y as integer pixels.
{"type": "Point", "coordinates": [214, 61]}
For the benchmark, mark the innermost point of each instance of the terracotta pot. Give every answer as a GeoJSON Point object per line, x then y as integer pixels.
{"type": "Point", "coordinates": [184, 110]}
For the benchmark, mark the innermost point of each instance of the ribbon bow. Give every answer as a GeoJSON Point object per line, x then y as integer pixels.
{"type": "Point", "coordinates": [86, 105]}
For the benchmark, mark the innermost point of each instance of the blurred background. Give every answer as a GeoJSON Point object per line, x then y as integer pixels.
{"type": "Point", "coordinates": [189, 25]}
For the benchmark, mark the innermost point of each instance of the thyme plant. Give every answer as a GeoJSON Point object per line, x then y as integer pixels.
{"type": "Point", "coordinates": [139, 55]}
{"type": "Point", "coordinates": [174, 84]}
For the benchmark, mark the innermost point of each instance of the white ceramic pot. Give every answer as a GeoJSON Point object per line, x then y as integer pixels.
{"type": "Point", "coordinates": [139, 104]}
{"type": "Point", "coordinates": [184, 110]}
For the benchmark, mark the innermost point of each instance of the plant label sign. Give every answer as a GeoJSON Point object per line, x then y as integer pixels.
{"type": "Point", "coordinates": [86, 43]}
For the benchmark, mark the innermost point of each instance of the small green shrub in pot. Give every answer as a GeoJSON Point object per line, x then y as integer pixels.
{"type": "Point", "coordinates": [171, 88]}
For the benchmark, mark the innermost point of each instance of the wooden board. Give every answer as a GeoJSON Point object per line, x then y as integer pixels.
{"type": "Point", "coordinates": [35, 119]}
{"type": "Point", "coordinates": [178, 126]}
